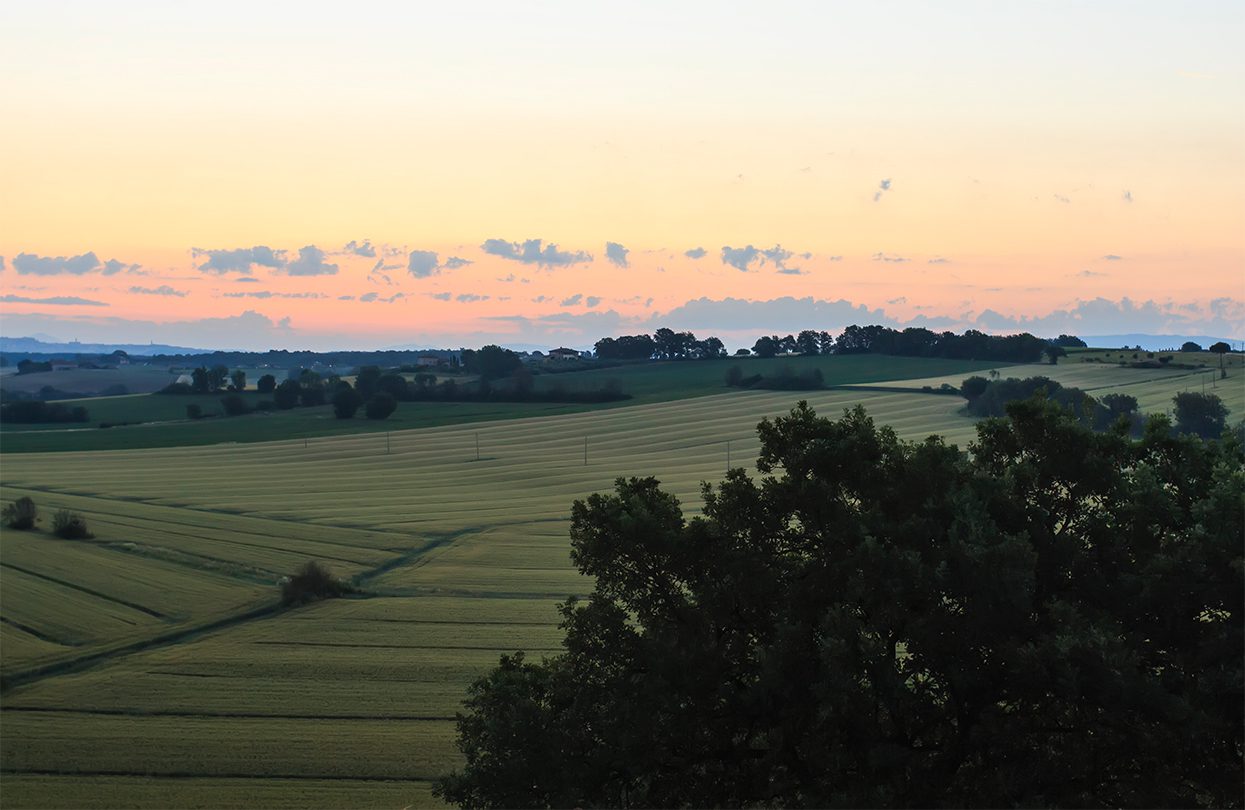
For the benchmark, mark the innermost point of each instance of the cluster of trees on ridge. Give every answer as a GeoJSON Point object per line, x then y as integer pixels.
{"type": "Point", "coordinates": [1052, 620]}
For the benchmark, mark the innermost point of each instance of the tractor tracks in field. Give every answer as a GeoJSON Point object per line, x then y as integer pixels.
{"type": "Point", "coordinates": [414, 555]}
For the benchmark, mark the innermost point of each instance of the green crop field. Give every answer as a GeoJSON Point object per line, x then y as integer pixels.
{"type": "Point", "coordinates": [164, 423]}
{"type": "Point", "coordinates": [144, 667]}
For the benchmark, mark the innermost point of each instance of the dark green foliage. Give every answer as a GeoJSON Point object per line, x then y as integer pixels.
{"type": "Point", "coordinates": [973, 387]}
{"type": "Point", "coordinates": [266, 384]}
{"type": "Point", "coordinates": [491, 362]}
{"type": "Point", "coordinates": [234, 405]}
{"type": "Point", "coordinates": [33, 411]}
{"type": "Point", "coordinates": [194, 411]}
{"type": "Point", "coordinates": [1220, 347]}
{"type": "Point", "coordinates": [312, 583]}
{"type": "Point", "coordinates": [1053, 353]}
{"type": "Point", "coordinates": [1190, 346]}
{"type": "Point", "coordinates": [346, 402]}
{"type": "Point", "coordinates": [21, 514]}
{"type": "Point", "coordinates": [1202, 415]}
{"type": "Point", "coordinates": [1053, 620]}
{"type": "Point", "coordinates": [734, 376]}
{"type": "Point", "coordinates": [286, 394]}
{"type": "Point", "coordinates": [366, 381]}
{"type": "Point", "coordinates": [1119, 404]}
{"type": "Point", "coordinates": [810, 379]}
{"type": "Point", "coordinates": [70, 526]}
{"type": "Point", "coordinates": [379, 406]}
{"type": "Point", "coordinates": [918, 342]}
{"type": "Point", "coordinates": [237, 380]}
{"type": "Point", "coordinates": [1069, 342]}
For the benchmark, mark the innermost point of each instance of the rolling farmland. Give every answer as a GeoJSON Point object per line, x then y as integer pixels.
{"type": "Point", "coordinates": [147, 667]}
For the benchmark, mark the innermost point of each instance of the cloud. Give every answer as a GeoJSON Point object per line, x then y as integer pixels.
{"type": "Point", "coordinates": [778, 257]}
{"type": "Point", "coordinates": [616, 254]}
{"type": "Point", "coordinates": [2, 265]}
{"type": "Point", "coordinates": [363, 248]}
{"type": "Point", "coordinates": [1062, 199]}
{"type": "Point", "coordinates": [1091, 274]}
{"type": "Point", "coordinates": [470, 297]}
{"type": "Point", "coordinates": [112, 267]}
{"type": "Point", "coordinates": [239, 260]}
{"type": "Point", "coordinates": [1102, 316]}
{"type": "Point", "coordinates": [790, 271]}
{"type": "Point", "coordinates": [310, 262]}
{"type": "Point", "coordinates": [531, 252]}
{"type": "Point", "coordinates": [376, 298]}
{"type": "Point", "coordinates": [163, 289]}
{"type": "Point", "coordinates": [269, 294]}
{"type": "Point", "coordinates": [250, 330]}
{"type": "Point", "coordinates": [442, 296]}
{"type": "Point", "coordinates": [938, 260]}
{"type": "Point", "coordinates": [740, 258]}
{"type": "Point", "coordinates": [882, 257]}
{"type": "Point", "coordinates": [30, 264]}
{"type": "Point", "coordinates": [572, 301]}
{"type": "Point", "coordinates": [245, 280]}
{"type": "Point", "coordinates": [695, 253]}
{"type": "Point", "coordinates": [57, 300]}
{"type": "Point", "coordinates": [422, 263]}
{"type": "Point", "coordinates": [345, 298]}
{"type": "Point", "coordinates": [900, 300]}
{"type": "Point", "coordinates": [783, 314]}
{"type": "Point", "coordinates": [1111, 257]}
{"type": "Point", "coordinates": [592, 301]}
{"type": "Point", "coordinates": [835, 258]}
{"type": "Point", "coordinates": [883, 187]}
{"type": "Point", "coordinates": [1127, 196]}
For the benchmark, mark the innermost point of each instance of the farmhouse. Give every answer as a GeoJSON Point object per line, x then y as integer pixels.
{"type": "Point", "coordinates": [427, 362]}
{"type": "Point", "coordinates": [563, 353]}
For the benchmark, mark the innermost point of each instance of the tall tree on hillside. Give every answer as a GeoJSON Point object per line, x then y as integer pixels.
{"type": "Point", "coordinates": [806, 342]}
{"type": "Point", "coordinates": [1057, 619]}
{"type": "Point", "coordinates": [1220, 348]}
{"type": "Point", "coordinates": [237, 380]}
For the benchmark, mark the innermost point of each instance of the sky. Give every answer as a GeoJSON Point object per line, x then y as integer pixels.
{"type": "Point", "coordinates": [372, 175]}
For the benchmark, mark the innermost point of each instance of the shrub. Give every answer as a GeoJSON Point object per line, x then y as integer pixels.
{"type": "Point", "coordinates": [346, 402]}
{"type": "Point", "coordinates": [266, 384]}
{"type": "Point", "coordinates": [312, 583]}
{"type": "Point", "coordinates": [21, 514]}
{"type": "Point", "coordinates": [973, 387]}
{"type": "Point", "coordinates": [234, 405]}
{"type": "Point", "coordinates": [380, 406]}
{"type": "Point", "coordinates": [70, 526]}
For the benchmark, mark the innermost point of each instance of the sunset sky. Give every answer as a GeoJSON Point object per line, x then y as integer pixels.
{"type": "Point", "coordinates": [264, 174]}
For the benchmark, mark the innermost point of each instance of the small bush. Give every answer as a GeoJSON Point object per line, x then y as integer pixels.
{"type": "Point", "coordinates": [21, 514]}
{"type": "Point", "coordinates": [380, 406]}
{"type": "Point", "coordinates": [234, 405]}
{"type": "Point", "coordinates": [312, 583]}
{"type": "Point", "coordinates": [346, 402]}
{"type": "Point", "coordinates": [70, 526]}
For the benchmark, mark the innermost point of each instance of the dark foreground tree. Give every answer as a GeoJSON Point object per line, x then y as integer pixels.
{"type": "Point", "coordinates": [1203, 415]}
{"type": "Point", "coordinates": [21, 514]}
{"type": "Point", "coordinates": [1055, 620]}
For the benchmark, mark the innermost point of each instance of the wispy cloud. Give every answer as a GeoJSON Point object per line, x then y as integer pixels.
{"type": "Point", "coordinates": [425, 263]}
{"type": "Point", "coordinates": [377, 298]}
{"type": "Point", "coordinates": [1127, 196]}
{"type": "Point", "coordinates": [740, 258]}
{"type": "Point", "coordinates": [883, 257]}
{"type": "Point", "coordinates": [1062, 199]}
{"type": "Point", "coordinates": [55, 300]}
{"type": "Point", "coordinates": [163, 289]}
{"type": "Point", "coordinates": [938, 260]}
{"type": "Point", "coordinates": [363, 248]}
{"type": "Point", "coordinates": [467, 298]}
{"type": "Point", "coordinates": [695, 253]}
{"type": "Point", "coordinates": [262, 294]}
{"type": "Point", "coordinates": [1111, 257]}
{"type": "Point", "coordinates": [883, 187]}
{"type": "Point", "coordinates": [534, 251]}
{"type": "Point", "coordinates": [572, 301]}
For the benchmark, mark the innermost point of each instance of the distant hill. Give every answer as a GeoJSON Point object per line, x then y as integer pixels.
{"type": "Point", "coordinates": [35, 346]}
{"type": "Point", "coordinates": [1155, 342]}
